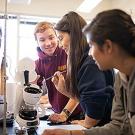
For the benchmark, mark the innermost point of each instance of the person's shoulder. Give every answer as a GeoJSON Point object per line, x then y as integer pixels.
{"type": "Point", "coordinates": [88, 64]}
{"type": "Point", "coordinates": [61, 51]}
{"type": "Point", "coordinates": [88, 61]}
{"type": "Point", "coordinates": [39, 62]}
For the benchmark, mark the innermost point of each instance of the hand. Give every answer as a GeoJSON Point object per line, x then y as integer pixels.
{"type": "Point", "coordinates": [56, 132]}
{"type": "Point", "coordinates": [87, 122]}
{"type": "Point", "coordinates": [80, 122]}
{"type": "Point", "coordinates": [59, 82]}
{"type": "Point", "coordinates": [57, 117]}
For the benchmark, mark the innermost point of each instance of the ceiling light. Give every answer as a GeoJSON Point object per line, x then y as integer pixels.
{"type": "Point", "coordinates": [19, 1]}
{"type": "Point", "coordinates": [88, 5]}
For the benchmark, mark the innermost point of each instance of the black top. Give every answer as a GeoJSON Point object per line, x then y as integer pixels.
{"type": "Point", "coordinates": [95, 89]}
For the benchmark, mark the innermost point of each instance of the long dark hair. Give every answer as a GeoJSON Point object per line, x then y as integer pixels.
{"type": "Point", "coordinates": [73, 23]}
{"type": "Point", "coordinates": [115, 25]}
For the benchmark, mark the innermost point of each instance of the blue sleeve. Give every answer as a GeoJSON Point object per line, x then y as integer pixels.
{"type": "Point", "coordinates": [93, 91]}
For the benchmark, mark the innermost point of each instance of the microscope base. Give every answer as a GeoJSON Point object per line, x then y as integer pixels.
{"type": "Point", "coordinates": [27, 123]}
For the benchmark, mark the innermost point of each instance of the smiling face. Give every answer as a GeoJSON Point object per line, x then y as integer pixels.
{"type": "Point", "coordinates": [47, 41]}
{"type": "Point", "coordinates": [64, 38]}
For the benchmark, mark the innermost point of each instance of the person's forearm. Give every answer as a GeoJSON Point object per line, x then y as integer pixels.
{"type": "Point", "coordinates": [90, 122]}
{"type": "Point", "coordinates": [70, 107]}
{"type": "Point", "coordinates": [66, 93]}
{"type": "Point", "coordinates": [77, 132]}
{"type": "Point", "coordinates": [108, 129]}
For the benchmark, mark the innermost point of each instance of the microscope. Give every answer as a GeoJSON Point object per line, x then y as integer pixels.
{"type": "Point", "coordinates": [28, 95]}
